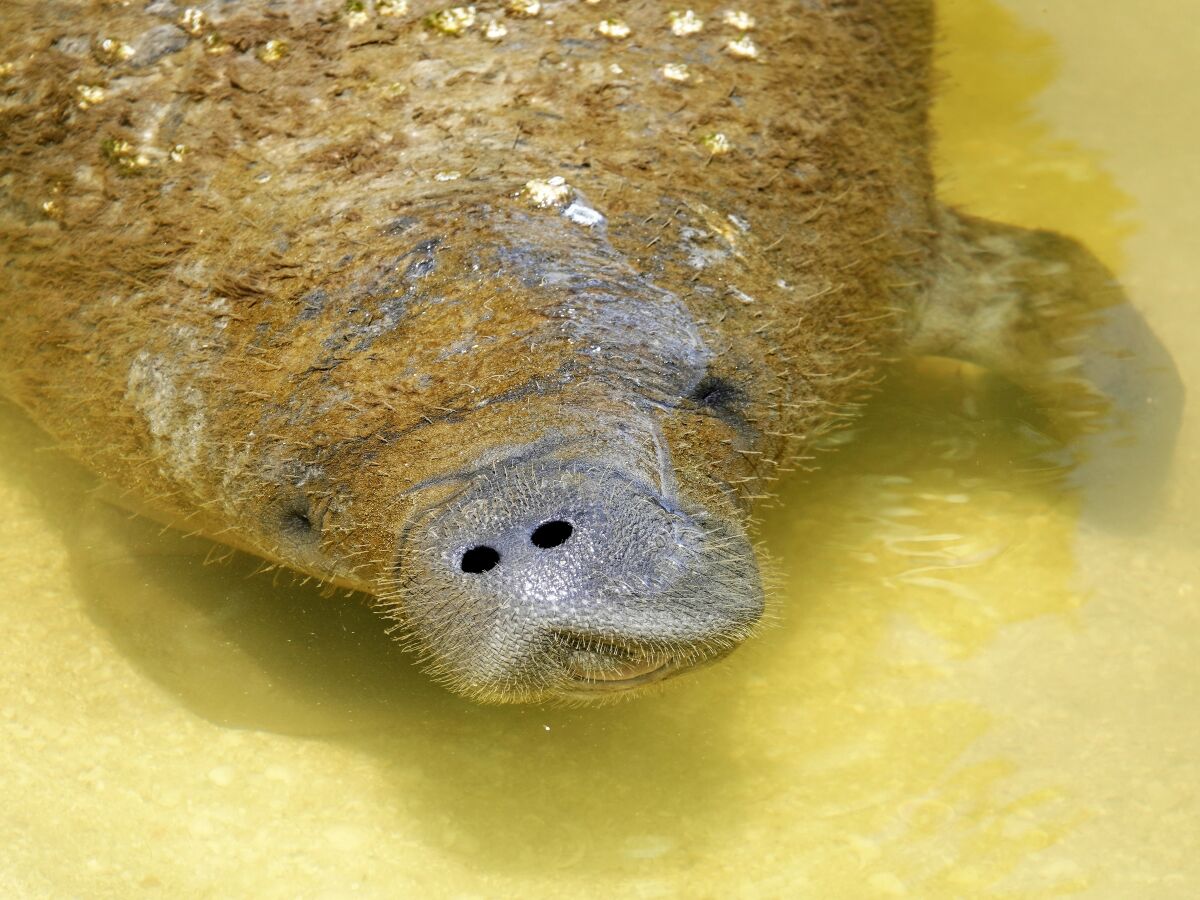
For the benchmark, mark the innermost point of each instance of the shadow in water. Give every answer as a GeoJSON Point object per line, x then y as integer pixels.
{"type": "Point", "coordinates": [523, 789]}
{"type": "Point", "coordinates": [247, 648]}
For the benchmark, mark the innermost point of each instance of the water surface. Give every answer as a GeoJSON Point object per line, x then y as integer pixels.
{"type": "Point", "coordinates": [968, 692]}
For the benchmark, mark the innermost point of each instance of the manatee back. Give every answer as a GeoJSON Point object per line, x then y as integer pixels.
{"type": "Point", "coordinates": [180, 188]}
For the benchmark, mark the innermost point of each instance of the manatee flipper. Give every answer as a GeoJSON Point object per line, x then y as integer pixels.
{"type": "Point", "coordinates": [234, 647]}
{"type": "Point", "coordinates": [1039, 310]}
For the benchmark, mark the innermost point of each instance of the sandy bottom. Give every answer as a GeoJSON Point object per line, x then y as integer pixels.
{"type": "Point", "coordinates": [969, 692]}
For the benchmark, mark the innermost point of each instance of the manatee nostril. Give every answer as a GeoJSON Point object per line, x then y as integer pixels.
{"type": "Point", "coordinates": [480, 559]}
{"type": "Point", "coordinates": [552, 534]}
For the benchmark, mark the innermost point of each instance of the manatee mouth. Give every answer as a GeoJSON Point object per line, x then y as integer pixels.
{"type": "Point", "coordinates": [607, 667]}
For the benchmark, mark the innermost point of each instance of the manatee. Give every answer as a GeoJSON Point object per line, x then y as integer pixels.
{"type": "Point", "coordinates": [507, 315]}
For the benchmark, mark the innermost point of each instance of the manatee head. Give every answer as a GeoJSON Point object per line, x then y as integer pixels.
{"type": "Point", "coordinates": [563, 513]}
{"type": "Point", "coordinates": [566, 571]}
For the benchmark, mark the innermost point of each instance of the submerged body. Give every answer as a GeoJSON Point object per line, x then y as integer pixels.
{"type": "Point", "coordinates": [507, 330]}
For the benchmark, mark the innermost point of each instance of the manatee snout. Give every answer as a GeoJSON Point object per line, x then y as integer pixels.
{"type": "Point", "coordinates": [575, 581]}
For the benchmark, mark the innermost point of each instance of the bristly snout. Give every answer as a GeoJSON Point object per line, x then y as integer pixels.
{"type": "Point", "coordinates": [550, 579]}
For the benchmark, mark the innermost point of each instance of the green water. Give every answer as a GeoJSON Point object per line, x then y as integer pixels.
{"type": "Point", "coordinates": [966, 691]}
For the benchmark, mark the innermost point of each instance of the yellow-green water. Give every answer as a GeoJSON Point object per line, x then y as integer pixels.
{"type": "Point", "coordinates": [968, 693]}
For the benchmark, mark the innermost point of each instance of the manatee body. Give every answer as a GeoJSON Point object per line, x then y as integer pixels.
{"type": "Point", "coordinates": [507, 314]}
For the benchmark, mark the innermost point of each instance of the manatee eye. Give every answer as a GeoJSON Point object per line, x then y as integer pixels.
{"type": "Point", "coordinates": [295, 520]}
{"type": "Point", "coordinates": [714, 391]}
